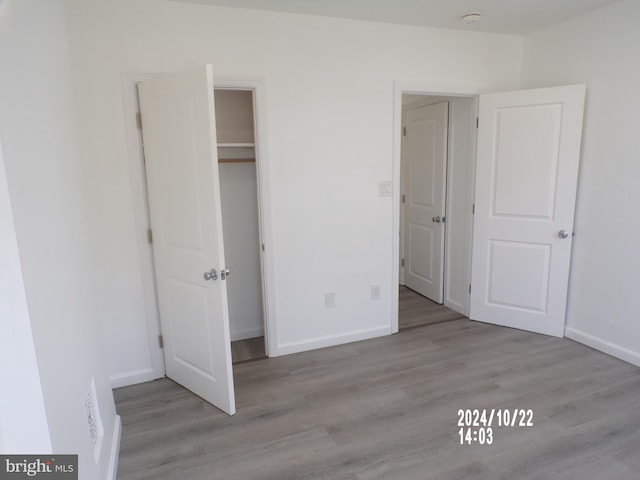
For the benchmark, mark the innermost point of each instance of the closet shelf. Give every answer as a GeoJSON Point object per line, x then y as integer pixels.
{"type": "Point", "coordinates": [236, 152]}
{"type": "Point", "coordinates": [236, 160]}
{"type": "Point", "coordinates": [237, 145]}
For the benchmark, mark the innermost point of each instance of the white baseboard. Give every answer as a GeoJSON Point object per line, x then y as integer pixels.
{"type": "Point", "coordinates": [603, 345]}
{"type": "Point", "coordinates": [114, 455]}
{"type": "Point", "coordinates": [332, 340]}
{"type": "Point", "coordinates": [131, 378]}
{"type": "Point", "coordinates": [455, 306]}
{"type": "Point", "coordinates": [244, 334]}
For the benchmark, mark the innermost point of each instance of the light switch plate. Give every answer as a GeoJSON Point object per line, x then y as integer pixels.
{"type": "Point", "coordinates": [385, 189]}
{"type": "Point", "coordinates": [375, 292]}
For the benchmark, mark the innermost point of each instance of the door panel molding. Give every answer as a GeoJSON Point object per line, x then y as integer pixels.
{"type": "Point", "coordinates": [425, 159]}
{"type": "Point", "coordinates": [178, 124]}
{"type": "Point", "coordinates": [526, 182]}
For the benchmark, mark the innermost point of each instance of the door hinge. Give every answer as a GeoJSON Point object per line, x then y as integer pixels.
{"type": "Point", "coordinates": [263, 247]}
{"type": "Point", "coordinates": [404, 131]}
{"type": "Point", "coordinates": [473, 209]}
{"type": "Point", "coordinates": [402, 262]}
{"type": "Point", "coordinates": [469, 288]}
{"type": "Point", "coordinates": [403, 198]}
{"type": "Point", "coordinates": [139, 120]}
{"type": "Point", "coordinates": [477, 122]}
{"type": "Point", "coordinates": [149, 235]}
{"type": "Point", "coordinates": [161, 341]}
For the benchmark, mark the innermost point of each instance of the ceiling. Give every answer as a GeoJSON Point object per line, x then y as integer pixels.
{"type": "Point", "coordinates": [518, 17]}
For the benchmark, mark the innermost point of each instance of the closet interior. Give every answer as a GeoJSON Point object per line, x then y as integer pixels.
{"type": "Point", "coordinates": [235, 130]}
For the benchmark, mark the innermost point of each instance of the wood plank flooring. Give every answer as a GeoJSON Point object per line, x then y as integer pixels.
{"type": "Point", "coordinates": [417, 311]}
{"type": "Point", "coordinates": [387, 409]}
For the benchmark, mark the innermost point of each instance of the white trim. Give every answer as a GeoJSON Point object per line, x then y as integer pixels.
{"type": "Point", "coordinates": [142, 222]}
{"type": "Point", "coordinates": [604, 346]}
{"type": "Point", "coordinates": [258, 86]}
{"type": "Point", "coordinates": [401, 187]}
{"type": "Point", "coordinates": [455, 306]}
{"type": "Point", "coordinates": [114, 455]}
{"type": "Point", "coordinates": [244, 334]}
{"type": "Point", "coordinates": [132, 377]}
{"type": "Point", "coordinates": [419, 88]}
{"type": "Point", "coordinates": [471, 185]}
{"type": "Point", "coordinates": [395, 215]}
{"type": "Point", "coordinates": [332, 340]}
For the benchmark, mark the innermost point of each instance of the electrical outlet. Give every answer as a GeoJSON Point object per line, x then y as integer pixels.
{"type": "Point", "coordinates": [375, 292]}
{"type": "Point", "coordinates": [330, 299]}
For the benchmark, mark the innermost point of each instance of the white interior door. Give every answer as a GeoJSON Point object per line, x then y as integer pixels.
{"type": "Point", "coordinates": [178, 125]}
{"type": "Point", "coordinates": [526, 180]}
{"type": "Point", "coordinates": [424, 177]}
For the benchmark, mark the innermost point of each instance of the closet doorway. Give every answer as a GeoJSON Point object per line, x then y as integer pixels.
{"type": "Point", "coordinates": [237, 156]}
{"type": "Point", "coordinates": [436, 181]}
{"type": "Point", "coordinates": [253, 88]}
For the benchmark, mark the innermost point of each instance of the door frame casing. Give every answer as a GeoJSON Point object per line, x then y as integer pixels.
{"type": "Point", "coordinates": [257, 86]}
{"type": "Point", "coordinates": [417, 88]}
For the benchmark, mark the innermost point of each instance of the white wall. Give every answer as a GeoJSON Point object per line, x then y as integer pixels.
{"type": "Point", "coordinates": [601, 50]}
{"type": "Point", "coordinates": [238, 191]}
{"type": "Point", "coordinates": [37, 129]}
{"type": "Point", "coordinates": [329, 98]}
{"type": "Point", "coordinates": [234, 116]}
{"type": "Point", "coordinates": [23, 419]}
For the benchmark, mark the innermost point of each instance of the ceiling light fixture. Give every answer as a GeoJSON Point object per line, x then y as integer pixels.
{"type": "Point", "coordinates": [471, 18]}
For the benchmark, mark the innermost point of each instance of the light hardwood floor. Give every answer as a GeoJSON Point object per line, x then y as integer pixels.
{"type": "Point", "coordinates": [417, 311]}
{"type": "Point", "coordinates": [387, 409]}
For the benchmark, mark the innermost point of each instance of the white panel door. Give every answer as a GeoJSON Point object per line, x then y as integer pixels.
{"type": "Point", "coordinates": [424, 171]}
{"type": "Point", "coordinates": [184, 198]}
{"type": "Point", "coordinates": [526, 180]}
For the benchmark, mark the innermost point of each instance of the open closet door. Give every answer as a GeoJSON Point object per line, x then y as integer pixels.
{"type": "Point", "coordinates": [526, 180]}
{"type": "Point", "coordinates": [178, 126]}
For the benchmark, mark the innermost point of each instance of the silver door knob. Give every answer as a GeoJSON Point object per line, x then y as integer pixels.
{"type": "Point", "coordinates": [563, 234]}
{"type": "Point", "coordinates": [224, 273]}
{"type": "Point", "coordinates": [211, 275]}
{"type": "Point", "coordinates": [436, 219]}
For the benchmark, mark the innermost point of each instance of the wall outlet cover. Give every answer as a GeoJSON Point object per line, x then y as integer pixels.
{"type": "Point", "coordinates": [375, 292]}
{"type": "Point", "coordinates": [330, 299]}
